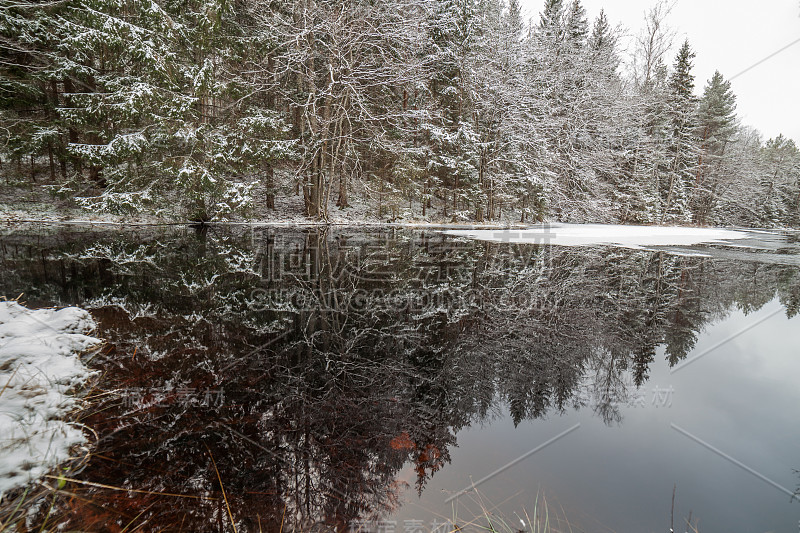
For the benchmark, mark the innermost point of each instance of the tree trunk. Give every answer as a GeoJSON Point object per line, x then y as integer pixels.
{"type": "Point", "coordinates": [96, 176]}
{"type": "Point", "coordinates": [72, 132]}
{"type": "Point", "coordinates": [490, 203]}
{"type": "Point", "coordinates": [380, 201]}
{"type": "Point", "coordinates": [52, 161]}
{"type": "Point", "coordinates": [270, 179]}
{"type": "Point", "coordinates": [455, 196]}
{"type": "Point", "coordinates": [342, 200]}
{"type": "Point", "coordinates": [424, 197]}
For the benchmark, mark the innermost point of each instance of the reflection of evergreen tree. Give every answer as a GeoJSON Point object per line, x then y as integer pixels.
{"type": "Point", "coordinates": [789, 291]}
{"type": "Point", "coordinates": [345, 356]}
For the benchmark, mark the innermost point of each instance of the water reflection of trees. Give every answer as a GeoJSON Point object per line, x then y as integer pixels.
{"type": "Point", "coordinates": [342, 356]}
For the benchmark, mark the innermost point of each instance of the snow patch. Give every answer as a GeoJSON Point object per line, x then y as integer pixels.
{"type": "Point", "coordinates": [593, 234]}
{"type": "Point", "coordinates": [39, 365]}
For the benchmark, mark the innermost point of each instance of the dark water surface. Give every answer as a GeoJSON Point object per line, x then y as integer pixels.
{"type": "Point", "coordinates": [341, 378]}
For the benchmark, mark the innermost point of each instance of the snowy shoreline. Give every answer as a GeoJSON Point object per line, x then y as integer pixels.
{"type": "Point", "coordinates": [267, 223]}
{"type": "Point", "coordinates": [365, 223]}
{"type": "Point", "coordinates": [40, 366]}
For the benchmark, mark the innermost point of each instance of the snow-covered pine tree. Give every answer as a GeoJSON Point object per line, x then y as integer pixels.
{"type": "Point", "coordinates": [744, 158]}
{"type": "Point", "coordinates": [717, 126]}
{"type": "Point", "coordinates": [28, 130]}
{"type": "Point", "coordinates": [551, 21]}
{"type": "Point", "coordinates": [617, 131]}
{"type": "Point", "coordinates": [503, 110]}
{"type": "Point", "coordinates": [779, 196]}
{"type": "Point", "coordinates": [603, 38]}
{"type": "Point", "coordinates": [141, 108]}
{"type": "Point", "coordinates": [576, 26]}
{"type": "Point", "coordinates": [230, 137]}
{"type": "Point", "coordinates": [512, 20]}
{"type": "Point", "coordinates": [518, 160]}
{"type": "Point", "coordinates": [451, 136]}
{"type": "Point", "coordinates": [117, 97]}
{"type": "Point", "coordinates": [575, 88]}
{"type": "Point", "coordinates": [677, 188]}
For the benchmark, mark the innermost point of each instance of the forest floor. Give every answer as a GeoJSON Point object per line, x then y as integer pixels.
{"type": "Point", "coordinates": [25, 205]}
{"type": "Point", "coordinates": [18, 205]}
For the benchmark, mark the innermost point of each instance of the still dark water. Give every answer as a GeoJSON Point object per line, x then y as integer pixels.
{"type": "Point", "coordinates": [365, 379]}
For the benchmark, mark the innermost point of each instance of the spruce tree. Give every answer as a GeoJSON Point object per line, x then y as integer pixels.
{"type": "Point", "coordinates": [513, 19]}
{"type": "Point", "coordinates": [28, 122]}
{"type": "Point", "coordinates": [717, 126]}
{"type": "Point", "coordinates": [451, 133]}
{"type": "Point", "coordinates": [717, 114]}
{"type": "Point", "coordinates": [602, 36]}
{"type": "Point", "coordinates": [576, 25]}
{"type": "Point", "coordinates": [602, 44]}
{"type": "Point", "coordinates": [551, 22]}
{"type": "Point", "coordinates": [683, 147]}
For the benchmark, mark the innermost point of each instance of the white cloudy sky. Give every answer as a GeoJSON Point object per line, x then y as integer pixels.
{"type": "Point", "coordinates": [731, 36]}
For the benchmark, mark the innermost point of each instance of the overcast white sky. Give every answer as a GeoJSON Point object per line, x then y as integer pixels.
{"type": "Point", "coordinates": [731, 36]}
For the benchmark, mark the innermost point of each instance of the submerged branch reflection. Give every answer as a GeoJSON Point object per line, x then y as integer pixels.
{"type": "Point", "coordinates": [313, 365]}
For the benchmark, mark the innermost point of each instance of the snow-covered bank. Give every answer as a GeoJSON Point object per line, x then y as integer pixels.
{"type": "Point", "coordinates": [11, 226]}
{"type": "Point", "coordinates": [591, 234]}
{"type": "Point", "coordinates": [39, 364]}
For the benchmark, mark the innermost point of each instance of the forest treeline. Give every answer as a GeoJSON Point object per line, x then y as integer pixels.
{"type": "Point", "coordinates": [433, 109]}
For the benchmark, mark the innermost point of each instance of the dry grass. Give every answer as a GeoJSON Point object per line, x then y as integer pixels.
{"type": "Point", "coordinates": [479, 513]}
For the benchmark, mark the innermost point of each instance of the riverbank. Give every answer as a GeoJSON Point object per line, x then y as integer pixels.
{"type": "Point", "coordinates": [41, 367]}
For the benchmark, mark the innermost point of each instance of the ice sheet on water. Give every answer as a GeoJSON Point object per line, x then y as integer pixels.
{"type": "Point", "coordinates": [592, 234]}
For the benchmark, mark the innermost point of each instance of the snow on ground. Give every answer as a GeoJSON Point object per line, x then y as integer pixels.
{"type": "Point", "coordinates": [20, 205]}
{"type": "Point", "coordinates": [591, 234]}
{"type": "Point", "coordinates": [39, 365]}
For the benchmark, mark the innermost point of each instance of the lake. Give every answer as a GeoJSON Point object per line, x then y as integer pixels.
{"type": "Point", "coordinates": [408, 381]}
